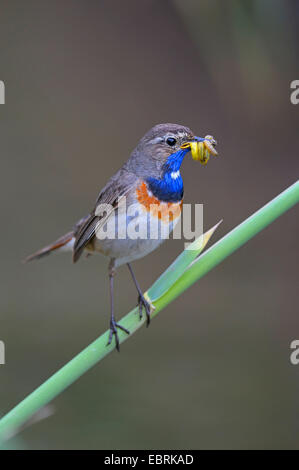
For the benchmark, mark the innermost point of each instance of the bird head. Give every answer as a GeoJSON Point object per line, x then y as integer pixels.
{"type": "Point", "coordinates": [164, 140]}
{"type": "Point", "coordinates": [168, 144]}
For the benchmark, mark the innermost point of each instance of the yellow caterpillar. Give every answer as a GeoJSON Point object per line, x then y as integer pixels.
{"type": "Point", "coordinates": [201, 150]}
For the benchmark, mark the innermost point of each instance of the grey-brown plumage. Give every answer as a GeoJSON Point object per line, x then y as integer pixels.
{"type": "Point", "coordinates": [147, 160]}
{"type": "Point", "coordinates": [119, 185]}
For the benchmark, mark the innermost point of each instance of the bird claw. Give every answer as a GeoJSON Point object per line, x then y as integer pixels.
{"type": "Point", "coordinates": [113, 332]}
{"type": "Point", "coordinates": [144, 301]}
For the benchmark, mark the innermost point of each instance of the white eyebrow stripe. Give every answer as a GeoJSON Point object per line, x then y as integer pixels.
{"type": "Point", "coordinates": [156, 140]}
{"type": "Point", "coordinates": [175, 174]}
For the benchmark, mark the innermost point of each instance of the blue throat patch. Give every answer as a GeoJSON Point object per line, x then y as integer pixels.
{"type": "Point", "coordinates": [170, 187]}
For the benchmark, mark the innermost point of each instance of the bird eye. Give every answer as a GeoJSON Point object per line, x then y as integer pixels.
{"type": "Point", "coordinates": [171, 141]}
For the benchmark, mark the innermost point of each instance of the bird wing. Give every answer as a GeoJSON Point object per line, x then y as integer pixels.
{"type": "Point", "coordinates": [113, 194]}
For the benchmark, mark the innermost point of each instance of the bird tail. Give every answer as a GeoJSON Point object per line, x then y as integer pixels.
{"type": "Point", "coordinates": [64, 243]}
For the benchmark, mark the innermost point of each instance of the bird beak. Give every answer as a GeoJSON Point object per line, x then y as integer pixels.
{"type": "Point", "coordinates": [201, 148]}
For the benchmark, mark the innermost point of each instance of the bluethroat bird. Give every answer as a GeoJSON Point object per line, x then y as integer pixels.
{"type": "Point", "coordinates": [151, 182]}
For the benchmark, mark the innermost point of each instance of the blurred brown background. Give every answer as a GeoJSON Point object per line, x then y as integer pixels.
{"type": "Point", "coordinates": [84, 81]}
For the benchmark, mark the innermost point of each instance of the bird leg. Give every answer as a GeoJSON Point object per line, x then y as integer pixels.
{"type": "Point", "coordinates": [113, 324]}
{"type": "Point", "coordinates": [142, 302]}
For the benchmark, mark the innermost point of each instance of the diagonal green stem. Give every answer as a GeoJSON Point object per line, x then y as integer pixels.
{"type": "Point", "coordinates": [99, 349]}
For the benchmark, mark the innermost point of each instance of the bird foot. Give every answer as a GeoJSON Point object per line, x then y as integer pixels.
{"type": "Point", "coordinates": [113, 332]}
{"type": "Point", "coordinates": [144, 301]}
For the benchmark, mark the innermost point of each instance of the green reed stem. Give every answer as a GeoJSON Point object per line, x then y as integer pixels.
{"type": "Point", "coordinates": [97, 350]}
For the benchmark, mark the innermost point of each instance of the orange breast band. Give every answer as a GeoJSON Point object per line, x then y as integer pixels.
{"type": "Point", "coordinates": [166, 211]}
